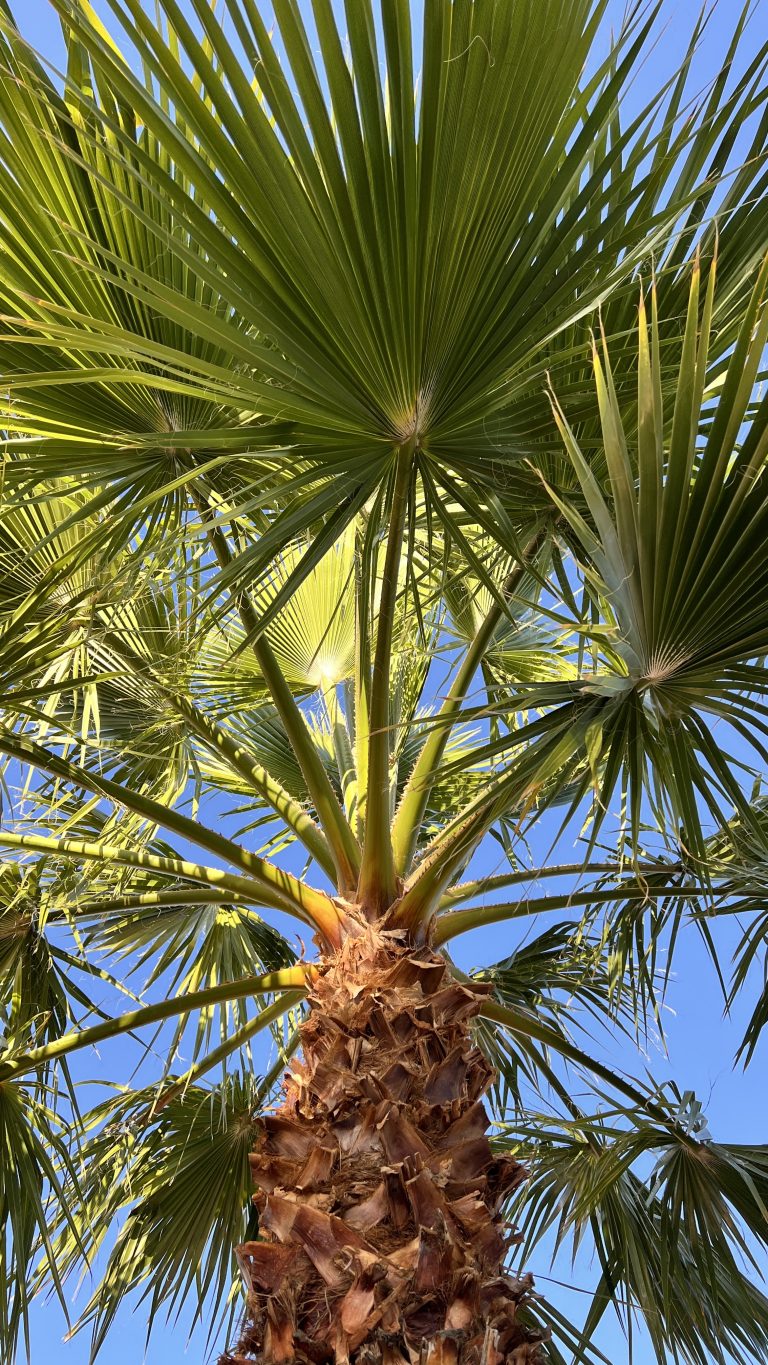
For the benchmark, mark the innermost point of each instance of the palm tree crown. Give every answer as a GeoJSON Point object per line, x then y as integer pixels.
{"type": "Point", "coordinates": [384, 473]}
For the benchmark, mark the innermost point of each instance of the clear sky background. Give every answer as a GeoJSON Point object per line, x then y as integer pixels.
{"type": "Point", "coordinates": [701, 1041]}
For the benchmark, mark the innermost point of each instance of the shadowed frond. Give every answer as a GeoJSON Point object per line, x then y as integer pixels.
{"type": "Point", "coordinates": [669, 1243]}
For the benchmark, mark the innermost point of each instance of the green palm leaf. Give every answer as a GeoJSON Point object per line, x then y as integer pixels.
{"type": "Point", "coordinates": [332, 557]}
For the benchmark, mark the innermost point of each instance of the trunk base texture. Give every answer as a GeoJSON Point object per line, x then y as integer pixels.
{"type": "Point", "coordinates": [380, 1237]}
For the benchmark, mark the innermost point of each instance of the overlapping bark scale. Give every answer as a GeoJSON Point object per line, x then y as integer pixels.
{"type": "Point", "coordinates": [381, 1233]}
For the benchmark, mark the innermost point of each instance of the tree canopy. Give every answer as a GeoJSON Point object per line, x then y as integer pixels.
{"type": "Point", "coordinates": [383, 473]}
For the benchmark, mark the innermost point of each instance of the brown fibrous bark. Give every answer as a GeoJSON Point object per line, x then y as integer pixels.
{"type": "Point", "coordinates": [381, 1236]}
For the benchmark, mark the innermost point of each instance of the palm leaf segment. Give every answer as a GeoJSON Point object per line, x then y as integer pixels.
{"type": "Point", "coordinates": [277, 442]}
{"type": "Point", "coordinates": [676, 554]}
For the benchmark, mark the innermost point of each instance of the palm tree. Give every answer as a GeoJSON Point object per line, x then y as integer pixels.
{"type": "Point", "coordinates": [353, 517]}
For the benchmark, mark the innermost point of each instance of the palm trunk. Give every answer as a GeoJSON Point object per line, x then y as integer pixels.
{"type": "Point", "coordinates": [381, 1238]}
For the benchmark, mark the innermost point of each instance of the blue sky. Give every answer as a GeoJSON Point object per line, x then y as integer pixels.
{"type": "Point", "coordinates": [701, 1041]}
